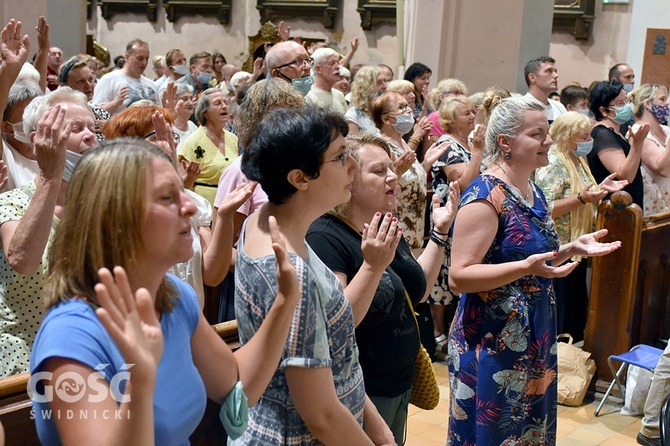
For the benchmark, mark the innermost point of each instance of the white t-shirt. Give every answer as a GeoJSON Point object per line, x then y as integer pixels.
{"type": "Point", "coordinates": [333, 99]}
{"type": "Point", "coordinates": [20, 170]}
{"type": "Point", "coordinates": [553, 110]}
{"type": "Point", "coordinates": [110, 85]}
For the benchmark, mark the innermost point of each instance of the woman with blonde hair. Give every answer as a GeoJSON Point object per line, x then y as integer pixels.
{"type": "Point", "coordinates": [492, 96]}
{"type": "Point", "coordinates": [650, 105]}
{"type": "Point", "coordinates": [572, 196]}
{"type": "Point", "coordinates": [368, 83]}
{"type": "Point", "coordinates": [444, 89]}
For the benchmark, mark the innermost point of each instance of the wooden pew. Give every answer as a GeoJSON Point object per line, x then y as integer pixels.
{"type": "Point", "coordinates": [630, 288]}
{"type": "Point", "coordinates": [15, 406]}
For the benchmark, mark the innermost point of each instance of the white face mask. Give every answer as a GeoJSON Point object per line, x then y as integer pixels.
{"type": "Point", "coordinates": [180, 69]}
{"type": "Point", "coordinates": [18, 132]}
{"type": "Point", "coordinates": [71, 161]}
{"type": "Point", "coordinates": [404, 123]}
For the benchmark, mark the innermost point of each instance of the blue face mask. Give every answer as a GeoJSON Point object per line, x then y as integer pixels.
{"type": "Point", "coordinates": [204, 78]}
{"type": "Point", "coordinates": [623, 113]}
{"type": "Point", "coordinates": [303, 84]}
{"type": "Point", "coordinates": [584, 111]}
{"type": "Point", "coordinates": [584, 148]}
{"type": "Point", "coordinates": [628, 87]}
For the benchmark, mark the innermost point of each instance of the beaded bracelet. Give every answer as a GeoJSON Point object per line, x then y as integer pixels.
{"type": "Point", "coordinates": [437, 240]}
{"type": "Point", "coordinates": [579, 197]}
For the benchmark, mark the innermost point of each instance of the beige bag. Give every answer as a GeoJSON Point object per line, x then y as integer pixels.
{"type": "Point", "coordinates": [575, 372]}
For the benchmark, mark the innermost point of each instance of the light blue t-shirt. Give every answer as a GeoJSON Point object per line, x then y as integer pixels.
{"type": "Point", "coordinates": [72, 330]}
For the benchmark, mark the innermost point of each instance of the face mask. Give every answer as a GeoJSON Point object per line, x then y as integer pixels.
{"type": "Point", "coordinates": [660, 112]}
{"type": "Point", "coordinates": [584, 111]}
{"type": "Point", "coordinates": [628, 87]}
{"type": "Point", "coordinates": [204, 78]}
{"type": "Point", "coordinates": [303, 84]}
{"type": "Point", "coordinates": [404, 123]}
{"type": "Point", "coordinates": [623, 113]}
{"type": "Point", "coordinates": [71, 161]}
{"type": "Point", "coordinates": [584, 148]}
{"type": "Point", "coordinates": [18, 132]}
{"type": "Point", "coordinates": [182, 70]}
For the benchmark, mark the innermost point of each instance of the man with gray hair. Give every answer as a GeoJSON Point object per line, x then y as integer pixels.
{"type": "Point", "coordinates": [110, 94]}
{"type": "Point", "coordinates": [289, 61]}
{"type": "Point", "coordinates": [327, 73]}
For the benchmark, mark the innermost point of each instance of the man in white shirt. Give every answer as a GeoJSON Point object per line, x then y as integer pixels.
{"type": "Point", "coordinates": [542, 79]}
{"type": "Point", "coordinates": [108, 92]}
{"type": "Point", "coordinates": [326, 74]}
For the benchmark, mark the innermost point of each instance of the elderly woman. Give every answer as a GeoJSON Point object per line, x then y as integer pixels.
{"type": "Point", "coordinates": [444, 89]}
{"type": "Point", "coordinates": [462, 162]}
{"type": "Point", "coordinates": [368, 83]}
{"type": "Point", "coordinates": [502, 352]}
{"type": "Point", "coordinates": [572, 196]}
{"type": "Point", "coordinates": [316, 395]}
{"type": "Point", "coordinates": [111, 302]}
{"type": "Point", "coordinates": [184, 107]}
{"type": "Point", "coordinates": [612, 152]}
{"type": "Point", "coordinates": [394, 118]}
{"type": "Point", "coordinates": [650, 106]}
{"type": "Point", "coordinates": [211, 145]}
{"type": "Point", "coordinates": [387, 336]}
{"type": "Point", "coordinates": [419, 134]}
{"type": "Point", "coordinates": [60, 126]}
{"type": "Point", "coordinates": [419, 75]}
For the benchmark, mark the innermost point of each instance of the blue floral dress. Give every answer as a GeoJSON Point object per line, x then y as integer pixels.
{"type": "Point", "coordinates": [502, 345]}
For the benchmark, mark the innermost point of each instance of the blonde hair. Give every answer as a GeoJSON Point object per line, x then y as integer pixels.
{"type": "Point", "coordinates": [563, 131]}
{"type": "Point", "coordinates": [492, 96]}
{"type": "Point", "coordinates": [446, 86]}
{"type": "Point", "coordinates": [364, 86]}
{"type": "Point", "coordinates": [102, 222]}
{"type": "Point", "coordinates": [642, 94]}
{"type": "Point", "coordinates": [400, 86]}
{"type": "Point", "coordinates": [447, 113]}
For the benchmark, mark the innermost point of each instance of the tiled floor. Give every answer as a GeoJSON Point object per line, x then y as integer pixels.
{"type": "Point", "coordinates": [577, 426]}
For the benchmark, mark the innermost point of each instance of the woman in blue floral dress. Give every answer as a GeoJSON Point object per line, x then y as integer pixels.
{"type": "Point", "coordinates": [502, 346]}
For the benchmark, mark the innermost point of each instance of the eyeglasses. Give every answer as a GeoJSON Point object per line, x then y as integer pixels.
{"type": "Point", "coordinates": [619, 104]}
{"type": "Point", "coordinates": [151, 137]}
{"type": "Point", "coordinates": [341, 158]}
{"type": "Point", "coordinates": [297, 63]}
{"type": "Point", "coordinates": [402, 108]}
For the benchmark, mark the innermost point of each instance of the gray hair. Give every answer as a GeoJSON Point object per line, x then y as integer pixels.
{"type": "Point", "coordinates": [202, 105]}
{"type": "Point", "coordinates": [506, 119]}
{"type": "Point", "coordinates": [39, 105]}
{"type": "Point", "coordinates": [322, 54]}
{"type": "Point", "coordinates": [183, 87]}
{"type": "Point", "coordinates": [21, 91]}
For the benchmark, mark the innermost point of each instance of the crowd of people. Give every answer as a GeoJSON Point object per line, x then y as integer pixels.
{"type": "Point", "coordinates": [328, 202]}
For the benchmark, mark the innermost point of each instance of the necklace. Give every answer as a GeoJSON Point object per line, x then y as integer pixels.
{"type": "Point", "coordinates": [526, 195]}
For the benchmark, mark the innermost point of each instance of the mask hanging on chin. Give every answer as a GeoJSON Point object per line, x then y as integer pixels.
{"type": "Point", "coordinates": [71, 161]}
{"type": "Point", "coordinates": [204, 78]}
{"type": "Point", "coordinates": [303, 84]}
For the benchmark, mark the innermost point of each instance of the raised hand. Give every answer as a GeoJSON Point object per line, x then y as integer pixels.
{"type": "Point", "coordinates": [380, 239]}
{"type": "Point", "coordinates": [443, 216]}
{"type": "Point", "coordinates": [288, 284]}
{"type": "Point", "coordinates": [283, 31]}
{"type": "Point", "coordinates": [191, 171]}
{"type": "Point", "coordinates": [421, 127]}
{"type": "Point", "coordinates": [131, 321]}
{"type": "Point", "coordinates": [259, 68]}
{"type": "Point", "coordinates": [434, 153]}
{"type": "Point", "coordinates": [354, 45]}
{"type": "Point", "coordinates": [164, 137]}
{"type": "Point", "coordinates": [637, 134]}
{"type": "Point", "coordinates": [50, 141]}
{"type": "Point", "coordinates": [169, 98]}
{"type": "Point", "coordinates": [611, 185]}
{"type": "Point", "coordinates": [478, 139]}
{"type": "Point", "coordinates": [402, 163]}
{"type": "Point", "coordinates": [236, 198]}
{"type": "Point", "coordinates": [14, 48]}
{"type": "Point", "coordinates": [43, 36]}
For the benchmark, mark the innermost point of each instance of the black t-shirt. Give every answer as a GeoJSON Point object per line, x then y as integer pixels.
{"type": "Point", "coordinates": [606, 138]}
{"type": "Point", "coordinates": [387, 337]}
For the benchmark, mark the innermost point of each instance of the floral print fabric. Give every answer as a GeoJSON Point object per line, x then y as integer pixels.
{"type": "Point", "coordinates": [502, 346]}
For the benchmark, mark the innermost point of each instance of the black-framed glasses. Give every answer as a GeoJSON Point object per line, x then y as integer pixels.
{"type": "Point", "coordinates": [151, 137]}
{"type": "Point", "coordinates": [341, 158]}
{"type": "Point", "coordinates": [402, 108]}
{"type": "Point", "coordinates": [299, 62]}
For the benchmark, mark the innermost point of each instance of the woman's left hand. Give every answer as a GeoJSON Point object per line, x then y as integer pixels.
{"type": "Point", "coordinates": [402, 163]}
{"type": "Point", "coordinates": [443, 216]}
{"type": "Point", "coordinates": [434, 153]}
{"type": "Point", "coordinates": [234, 199]}
{"type": "Point", "coordinates": [422, 127]}
{"type": "Point", "coordinates": [164, 136]}
{"type": "Point", "coordinates": [611, 185]}
{"type": "Point", "coordinates": [588, 245]}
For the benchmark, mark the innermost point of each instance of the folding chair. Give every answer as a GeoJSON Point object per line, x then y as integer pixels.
{"type": "Point", "coordinates": [665, 422]}
{"type": "Point", "coordinates": [643, 356]}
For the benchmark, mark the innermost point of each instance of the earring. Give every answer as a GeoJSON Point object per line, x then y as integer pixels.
{"type": "Point", "coordinates": [506, 155]}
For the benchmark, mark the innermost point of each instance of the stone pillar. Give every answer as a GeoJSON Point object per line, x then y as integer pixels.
{"type": "Point", "coordinates": [481, 42]}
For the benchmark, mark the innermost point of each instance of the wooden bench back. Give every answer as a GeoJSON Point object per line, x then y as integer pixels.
{"type": "Point", "coordinates": [15, 405]}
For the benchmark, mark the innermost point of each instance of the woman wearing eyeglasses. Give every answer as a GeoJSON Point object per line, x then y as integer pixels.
{"type": "Point", "coordinates": [394, 118]}
{"type": "Point", "coordinates": [211, 145]}
{"type": "Point", "coordinates": [612, 152]}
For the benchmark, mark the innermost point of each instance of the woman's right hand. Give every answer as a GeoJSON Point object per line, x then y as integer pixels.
{"type": "Point", "coordinates": [402, 163]}
{"type": "Point", "coordinates": [537, 265]}
{"type": "Point", "coordinates": [288, 284]}
{"type": "Point", "coordinates": [50, 141]}
{"type": "Point", "coordinates": [637, 134]}
{"type": "Point", "coordinates": [593, 196]}
{"type": "Point", "coordinates": [380, 240]}
{"type": "Point", "coordinates": [131, 321]}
